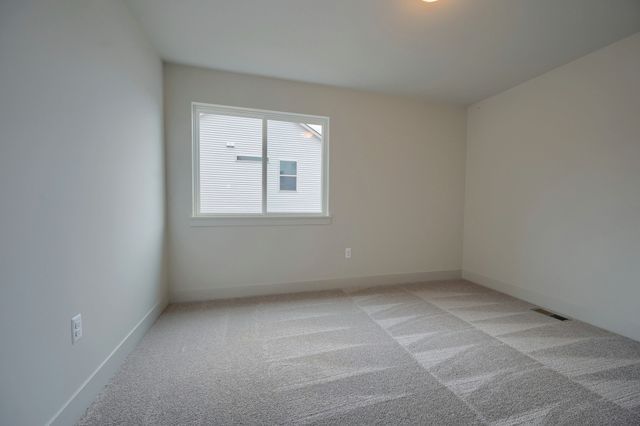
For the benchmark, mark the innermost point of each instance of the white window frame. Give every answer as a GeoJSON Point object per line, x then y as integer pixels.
{"type": "Point", "coordinates": [264, 218]}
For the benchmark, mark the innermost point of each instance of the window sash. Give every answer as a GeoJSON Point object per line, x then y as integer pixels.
{"type": "Point", "coordinates": [295, 162]}
{"type": "Point", "coordinates": [266, 116]}
{"type": "Point", "coordinates": [288, 177]}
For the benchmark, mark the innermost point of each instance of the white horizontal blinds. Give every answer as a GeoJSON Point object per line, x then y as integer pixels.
{"type": "Point", "coordinates": [294, 169]}
{"type": "Point", "coordinates": [230, 152]}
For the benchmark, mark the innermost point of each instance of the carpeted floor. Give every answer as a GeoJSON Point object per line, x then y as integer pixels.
{"type": "Point", "coordinates": [434, 353]}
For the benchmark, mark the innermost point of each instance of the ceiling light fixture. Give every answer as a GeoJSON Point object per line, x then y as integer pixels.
{"type": "Point", "coordinates": [429, 1]}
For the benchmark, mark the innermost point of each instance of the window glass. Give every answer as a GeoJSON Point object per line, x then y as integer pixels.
{"type": "Point", "coordinates": [288, 183]}
{"type": "Point", "coordinates": [294, 172]}
{"type": "Point", "coordinates": [228, 186]}
{"type": "Point", "coordinates": [258, 163]}
{"type": "Point", "coordinates": [288, 167]}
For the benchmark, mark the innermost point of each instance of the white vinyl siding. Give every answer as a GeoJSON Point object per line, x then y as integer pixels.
{"type": "Point", "coordinates": [229, 165]}
{"type": "Point", "coordinates": [227, 185]}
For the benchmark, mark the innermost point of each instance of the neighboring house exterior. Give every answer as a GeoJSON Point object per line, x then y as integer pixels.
{"type": "Point", "coordinates": [231, 166]}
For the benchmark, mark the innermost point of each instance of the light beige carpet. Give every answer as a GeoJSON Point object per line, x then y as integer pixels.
{"type": "Point", "coordinates": [435, 353]}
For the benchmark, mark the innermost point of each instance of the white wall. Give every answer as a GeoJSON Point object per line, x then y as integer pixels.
{"type": "Point", "coordinates": [553, 189]}
{"type": "Point", "coordinates": [81, 184]}
{"type": "Point", "coordinates": [396, 194]}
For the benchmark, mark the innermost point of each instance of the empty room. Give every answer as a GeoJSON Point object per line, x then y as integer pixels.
{"type": "Point", "coordinates": [328, 212]}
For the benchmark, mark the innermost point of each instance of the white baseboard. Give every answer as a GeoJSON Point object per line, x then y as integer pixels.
{"type": "Point", "coordinates": [75, 407]}
{"type": "Point", "coordinates": [589, 314]}
{"type": "Point", "coordinates": [304, 286]}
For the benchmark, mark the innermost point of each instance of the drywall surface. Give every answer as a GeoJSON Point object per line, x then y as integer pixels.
{"type": "Point", "coordinates": [396, 192]}
{"type": "Point", "coordinates": [553, 189]}
{"type": "Point", "coordinates": [81, 183]}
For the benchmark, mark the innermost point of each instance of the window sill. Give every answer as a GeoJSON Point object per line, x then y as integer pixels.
{"type": "Point", "coordinates": [205, 221]}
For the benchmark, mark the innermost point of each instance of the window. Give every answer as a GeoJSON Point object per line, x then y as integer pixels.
{"type": "Point", "coordinates": [276, 170]}
{"type": "Point", "coordinates": [288, 175]}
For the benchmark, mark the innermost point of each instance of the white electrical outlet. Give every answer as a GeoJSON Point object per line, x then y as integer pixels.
{"type": "Point", "coordinates": [76, 328]}
{"type": "Point", "coordinates": [347, 253]}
